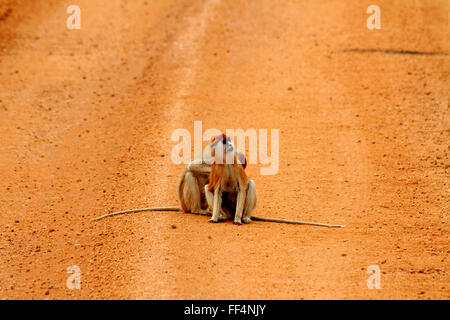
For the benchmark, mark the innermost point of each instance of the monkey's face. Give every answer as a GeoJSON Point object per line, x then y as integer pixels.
{"type": "Point", "coordinates": [221, 145]}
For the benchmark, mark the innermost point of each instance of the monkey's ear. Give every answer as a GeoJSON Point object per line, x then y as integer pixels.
{"type": "Point", "coordinates": [242, 160]}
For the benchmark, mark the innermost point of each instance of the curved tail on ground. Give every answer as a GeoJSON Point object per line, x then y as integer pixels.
{"type": "Point", "coordinates": [208, 213]}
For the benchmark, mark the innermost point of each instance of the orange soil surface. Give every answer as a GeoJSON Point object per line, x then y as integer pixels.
{"type": "Point", "coordinates": [86, 118]}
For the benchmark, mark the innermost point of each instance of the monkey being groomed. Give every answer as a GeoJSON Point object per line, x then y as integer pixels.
{"type": "Point", "coordinates": [218, 188]}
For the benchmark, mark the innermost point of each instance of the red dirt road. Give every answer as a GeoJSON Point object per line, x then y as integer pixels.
{"type": "Point", "coordinates": [86, 118]}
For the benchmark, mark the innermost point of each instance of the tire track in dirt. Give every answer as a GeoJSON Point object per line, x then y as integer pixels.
{"type": "Point", "coordinates": [183, 50]}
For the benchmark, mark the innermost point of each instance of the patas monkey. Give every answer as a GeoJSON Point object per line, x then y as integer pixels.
{"type": "Point", "coordinates": [229, 193]}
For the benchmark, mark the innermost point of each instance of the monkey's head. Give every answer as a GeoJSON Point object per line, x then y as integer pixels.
{"type": "Point", "coordinates": [222, 147]}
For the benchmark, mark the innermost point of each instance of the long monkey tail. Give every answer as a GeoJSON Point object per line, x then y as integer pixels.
{"type": "Point", "coordinates": [297, 222]}
{"type": "Point", "coordinates": [208, 213]}
{"type": "Point", "coordinates": [138, 210]}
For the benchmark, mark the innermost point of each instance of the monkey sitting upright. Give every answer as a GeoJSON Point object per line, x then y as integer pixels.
{"type": "Point", "coordinates": [193, 179]}
{"type": "Point", "coordinates": [222, 186]}
{"type": "Point", "coordinates": [229, 193]}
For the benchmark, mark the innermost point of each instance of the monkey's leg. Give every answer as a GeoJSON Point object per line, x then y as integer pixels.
{"type": "Point", "coordinates": [210, 200]}
{"type": "Point", "coordinates": [240, 203]}
{"type": "Point", "coordinates": [250, 202]}
{"type": "Point", "coordinates": [216, 205]}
